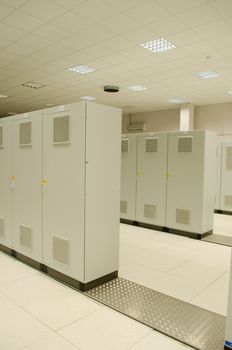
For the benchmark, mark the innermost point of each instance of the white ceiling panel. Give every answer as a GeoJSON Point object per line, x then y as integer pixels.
{"type": "Point", "coordinates": [123, 5]}
{"type": "Point", "coordinates": [23, 21]}
{"type": "Point", "coordinates": [148, 12]}
{"type": "Point", "coordinates": [199, 15]}
{"type": "Point", "coordinates": [5, 11]}
{"type": "Point", "coordinates": [117, 43]}
{"type": "Point", "coordinates": [13, 3]}
{"type": "Point", "coordinates": [223, 7]}
{"type": "Point", "coordinates": [68, 4]}
{"type": "Point", "coordinates": [166, 26]}
{"type": "Point", "coordinates": [95, 33]}
{"type": "Point", "coordinates": [176, 6]}
{"type": "Point", "coordinates": [52, 32]}
{"type": "Point", "coordinates": [121, 23]}
{"type": "Point", "coordinates": [71, 21]}
{"type": "Point", "coordinates": [213, 29]}
{"type": "Point", "coordinates": [43, 9]}
{"type": "Point", "coordinates": [97, 10]}
{"type": "Point", "coordinates": [11, 33]}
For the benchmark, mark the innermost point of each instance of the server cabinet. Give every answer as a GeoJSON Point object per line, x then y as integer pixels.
{"type": "Point", "coordinates": [191, 181]}
{"type": "Point", "coordinates": [26, 183]}
{"type": "Point", "coordinates": [151, 178]}
{"type": "Point", "coordinates": [5, 182]}
{"type": "Point", "coordinates": [81, 185]}
{"type": "Point", "coordinates": [228, 332]}
{"type": "Point", "coordinates": [218, 176]}
{"type": "Point", "coordinates": [128, 177]}
{"type": "Point", "coordinates": [226, 177]}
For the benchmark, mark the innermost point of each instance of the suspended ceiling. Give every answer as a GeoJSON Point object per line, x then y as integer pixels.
{"type": "Point", "coordinates": [40, 40]}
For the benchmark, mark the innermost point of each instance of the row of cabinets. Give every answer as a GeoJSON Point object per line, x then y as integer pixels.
{"type": "Point", "coordinates": [169, 180]}
{"type": "Point", "coordinates": [60, 188]}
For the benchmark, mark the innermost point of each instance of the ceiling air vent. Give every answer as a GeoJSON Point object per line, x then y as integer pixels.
{"type": "Point", "coordinates": [33, 85]}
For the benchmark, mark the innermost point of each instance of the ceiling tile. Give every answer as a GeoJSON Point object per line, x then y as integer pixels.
{"type": "Point", "coordinates": [181, 5]}
{"type": "Point", "coordinates": [96, 11]}
{"type": "Point", "coordinates": [52, 32]}
{"type": "Point", "coordinates": [166, 26]}
{"type": "Point", "coordinates": [148, 12]}
{"type": "Point", "coordinates": [35, 41]}
{"type": "Point", "coordinates": [71, 21]}
{"type": "Point", "coordinates": [184, 38]}
{"type": "Point", "coordinates": [43, 9]}
{"type": "Point", "coordinates": [117, 43]}
{"type": "Point", "coordinates": [78, 56]}
{"type": "Point", "coordinates": [199, 15]}
{"type": "Point", "coordinates": [95, 33]}
{"type": "Point", "coordinates": [20, 49]}
{"type": "Point", "coordinates": [221, 41]}
{"type": "Point", "coordinates": [116, 58]}
{"type": "Point", "coordinates": [5, 11]}
{"type": "Point", "coordinates": [11, 33]}
{"type": "Point", "coordinates": [223, 7]}
{"type": "Point", "coordinates": [121, 23]}
{"type": "Point", "coordinates": [23, 21]}
{"type": "Point", "coordinates": [96, 51]}
{"type": "Point", "coordinates": [13, 3]}
{"type": "Point", "coordinates": [68, 4]}
{"type": "Point", "coordinates": [213, 29]}
{"type": "Point", "coordinates": [140, 35]}
{"type": "Point", "coordinates": [59, 50]}
{"type": "Point", "coordinates": [75, 42]}
{"type": "Point", "coordinates": [123, 5]}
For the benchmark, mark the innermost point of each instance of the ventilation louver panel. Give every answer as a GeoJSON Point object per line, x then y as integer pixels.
{"type": "Point", "coordinates": [123, 207]}
{"type": "Point", "coordinates": [61, 130]}
{"type": "Point", "coordinates": [25, 134]}
{"type": "Point", "coordinates": [182, 216]}
{"type": "Point", "coordinates": [151, 145]}
{"type": "Point", "coordinates": [229, 158]}
{"type": "Point", "coordinates": [2, 227]}
{"type": "Point", "coordinates": [124, 146]}
{"type": "Point", "coordinates": [1, 136]}
{"type": "Point", "coordinates": [25, 236]}
{"type": "Point", "coordinates": [61, 250]}
{"type": "Point", "coordinates": [149, 211]}
{"type": "Point", "coordinates": [185, 144]}
{"type": "Point", "coordinates": [228, 201]}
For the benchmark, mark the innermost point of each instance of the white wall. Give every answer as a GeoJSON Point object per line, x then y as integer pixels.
{"type": "Point", "coordinates": [162, 120]}
{"type": "Point", "coordinates": [217, 117]}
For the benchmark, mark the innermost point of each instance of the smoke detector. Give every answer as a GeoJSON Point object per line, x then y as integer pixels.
{"type": "Point", "coordinates": [111, 88]}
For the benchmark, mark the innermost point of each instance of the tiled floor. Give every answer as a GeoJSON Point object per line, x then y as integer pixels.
{"type": "Point", "coordinates": [38, 313]}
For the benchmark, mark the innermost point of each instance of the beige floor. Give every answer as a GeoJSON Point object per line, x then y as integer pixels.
{"type": "Point", "coordinates": [38, 313]}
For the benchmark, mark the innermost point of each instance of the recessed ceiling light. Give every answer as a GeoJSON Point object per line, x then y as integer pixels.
{"type": "Point", "coordinates": [230, 92]}
{"type": "Point", "coordinates": [158, 45]}
{"type": "Point", "coordinates": [88, 98]}
{"type": "Point", "coordinates": [207, 74]}
{"type": "Point", "coordinates": [137, 88]}
{"type": "Point", "coordinates": [3, 96]}
{"type": "Point", "coordinates": [176, 100]}
{"type": "Point", "coordinates": [33, 85]}
{"type": "Point", "coordinates": [82, 69]}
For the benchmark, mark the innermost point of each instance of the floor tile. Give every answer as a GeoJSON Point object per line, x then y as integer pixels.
{"type": "Point", "coordinates": [129, 253]}
{"type": "Point", "coordinates": [11, 270]}
{"type": "Point", "coordinates": [60, 310]}
{"type": "Point", "coordinates": [212, 299]}
{"type": "Point", "coordinates": [104, 330]}
{"type": "Point", "coordinates": [51, 342]}
{"type": "Point", "coordinates": [155, 340]}
{"type": "Point", "coordinates": [141, 274]}
{"type": "Point", "coordinates": [31, 289]}
{"type": "Point", "coordinates": [19, 329]}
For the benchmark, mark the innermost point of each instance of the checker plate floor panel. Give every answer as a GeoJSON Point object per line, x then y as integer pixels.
{"type": "Point", "coordinates": [189, 324]}
{"type": "Point", "coordinates": [218, 239]}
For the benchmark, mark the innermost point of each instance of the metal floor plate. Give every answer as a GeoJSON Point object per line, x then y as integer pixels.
{"type": "Point", "coordinates": [218, 239]}
{"type": "Point", "coordinates": [191, 325]}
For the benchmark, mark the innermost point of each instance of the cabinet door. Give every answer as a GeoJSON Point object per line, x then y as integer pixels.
{"type": "Point", "coordinates": [185, 181]}
{"type": "Point", "coordinates": [151, 179]}
{"type": "Point", "coordinates": [63, 189]}
{"type": "Point", "coordinates": [226, 177]}
{"type": "Point", "coordinates": [27, 175]}
{"type": "Point", "coordinates": [5, 188]}
{"type": "Point", "coordinates": [128, 177]}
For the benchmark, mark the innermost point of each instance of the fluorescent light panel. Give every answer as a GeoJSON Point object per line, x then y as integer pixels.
{"type": "Point", "coordinates": [207, 74]}
{"type": "Point", "coordinates": [3, 96]}
{"type": "Point", "coordinates": [82, 69]}
{"type": "Point", "coordinates": [88, 98]}
{"type": "Point", "coordinates": [176, 100]}
{"type": "Point", "coordinates": [158, 45]}
{"type": "Point", "coordinates": [137, 88]}
{"type": "Point", "coordinates": [33, 85]}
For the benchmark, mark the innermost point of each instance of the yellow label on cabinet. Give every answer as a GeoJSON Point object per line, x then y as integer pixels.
{"type": "Point", "coordinates": [44, 182]}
